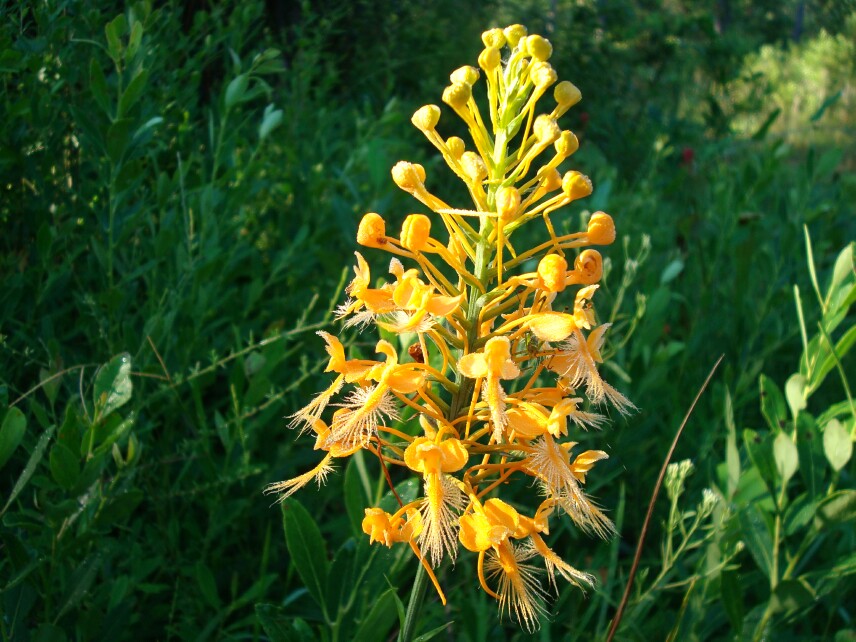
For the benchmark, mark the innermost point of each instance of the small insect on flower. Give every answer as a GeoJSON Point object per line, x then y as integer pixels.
{"type": "Point", "coordinates": [489, 369]}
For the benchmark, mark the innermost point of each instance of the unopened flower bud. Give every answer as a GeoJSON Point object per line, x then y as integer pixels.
{"type": "Point", "coordinates": [415, 232]}
{"type": "Point", "coordinates": [493, 38]}
{"type": "Point", "coordinates": [546, 129]}
{"type": "Point", "coordinates": [538, 47]}
{"type": "Point", "coordinates": [467, 75]}
{"type": "Point", "coordinates": [601, 229]}
{"type": "Point", "coordinates": [550, 178]}
{"type": "Point", "coordinates": [426, 118]}
{"type": "Point", "coordinates": [456, 147]}
{"type": "Point", "coordinates": [490, 58]}
{"type": "Point", "coordinates": [542, 74]}
{"type": "Point", "coordinates": [372, 231]}
{"type": "Point", "coordinates": [576, 185]}
{"type": "Point", "coordinates": [473, 166]}
{"type": "Point", "coordinates": [507, 203]}
{"type": "Point", "coordinates": [514, 33]}
{"type": "Point", "coordinates": [567, 94]}
{"type": "Point", "coordinates": [567, 144]}
{"type": "Point", "coordinates": [456, 95]}
{"type": "Point", "coordinates": [408, 176]}
{"type": "Point", "coordinates": [552, 270]}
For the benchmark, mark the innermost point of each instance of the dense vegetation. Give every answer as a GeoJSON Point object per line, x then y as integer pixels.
{"type": "Point", "coordinates": [182, 183]}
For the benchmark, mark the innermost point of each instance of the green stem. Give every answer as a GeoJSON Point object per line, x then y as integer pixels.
{"type": "Point", "coordinates": [414, 606]}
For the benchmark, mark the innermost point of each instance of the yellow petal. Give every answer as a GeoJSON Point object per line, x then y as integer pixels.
{"type": "Point", "coordinates": [552, 326]}
{"type": "Point", "coordinates": [473, 365]}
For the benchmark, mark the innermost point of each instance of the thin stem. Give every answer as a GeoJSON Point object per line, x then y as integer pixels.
{"type": "Point", "coordinates": [417, 596]}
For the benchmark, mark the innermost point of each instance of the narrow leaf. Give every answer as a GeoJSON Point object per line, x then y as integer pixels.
{"type": "Point", "coordinates": [757, 537]}
{"type": "Point", "coordinates": [379, 620]}
{"type": "Point", "coordinates": [838, 508]}
{"type": "Point", "coordinates": [30, 468]}
{"type": "Point", "coordinates": [772, 404]}
{"type": "Point", "coordinates": [307, 548]}
{"type": "Point", "coordinates": [11, 432]}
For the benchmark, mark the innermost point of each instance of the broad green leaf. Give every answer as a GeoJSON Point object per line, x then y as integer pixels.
{"type": "Point", "coordinates": [307, 548]}
{"type": "Point", "coordinates": [799, 513]}
{"type": "Point", "coordinates": [132, 93]}
{"type": "Point", "coordinates": [756, 535]}
{"type": "Point", "coordinates": [11, 432]}
{"type": "Point", "coordinates": [671, 272]}
{"type": "Point", "coordinates": [134, 41]}
{"type": "Point", "coordinates": [837, 445]}
{"type": "Point", "coordinates": [113, 385]}
{"type": "Point", "coordinates": [760, 451]}
{"type": "Point", "coordinates": [207, 585]}
{"type": "Point", "coordinates": [787, 457]}
{"type": "Point", "coordinates": [340, 579]}
{"type": "Point", "coordinates": [772, 404]}
{"type": "Point", "coordinates": [838, 508]}
{"type": "Point", "coordinates": [379, 620]}
{"type": "Point", "coordinates": [118, 139]}
{"type": "Point", "coordinates": [355, 498]}
{"type": "Point", "coordinates": [731, 593]}
{"type": "Point", "coordinates": [30, 468]}
{"type": "Point", "coordinates": [276, 623]}
{"type": "Point", "coordinates": [236, 90]}
{"type": "Point", "coordinates": [271, 120]}
{"type": "Point", "coordinates": [98, 86]}
{"type": "Point", "coordinates": [65, 465]}
{"type": "Point", "coordinates": [792, 595]}
{"type": "Point", "coordinates": [114, 32]}
{"type": "Point", "coordinates": [795, 393]}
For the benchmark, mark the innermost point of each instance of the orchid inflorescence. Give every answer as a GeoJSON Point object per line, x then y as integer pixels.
{"type": "Point", "coordinates": [493, 376]}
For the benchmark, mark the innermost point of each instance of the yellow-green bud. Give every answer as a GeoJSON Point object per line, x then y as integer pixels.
{"type": "Point", "coordinates": [457, 95]}
{"type": "Point", "coordinates": [372, 231]}
{"type": "Point", "coordinates": [426, 118]}
{"type": "Point", "coordinates": [539, 48]}
{"type": "Point", "coordinates": [514, 33]}
{"type": "Point", "coordinates": [456, 147]}
{"type": "Point", "coordinates": [576, 185]}
{"type": "Point", "coordinates": [467, 75]}
{"type": "Point", "coordinates": [601, 229]}
{"type": "Point", "coordinates": [507, 203]}
{"type": "Point", "coordinates": [493, 38]}
{"type": "Point", "coordinates": [490, 58]}
{"type": "Point", "coordinates": [415, 232]}
{"type": "Point", "coordinates": [552, 270]}
{"type": "Point", "coordinates": [408, 176]}
{"type": "Point", "coordinates": [567, 94]}
{"type": "Point", "coordinates": [473, 166]}
{"type": "Point", "coordinates": [542, 74]}
{"type": "Point", "coordinates": [567, 144]}
{"type": "Point", "coordinates": [546, 129]}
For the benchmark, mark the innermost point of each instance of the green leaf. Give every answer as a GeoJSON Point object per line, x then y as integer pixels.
{"type": "Point", "coordinates": [65, 465]}
{"type": "Point", "coordinates": [11, 432]}
{"type": "Point", "coordinates": [236, 90]}
{"type": "Point", "coordinates": [731, 592]}
{"type": "Point", "coordinates": [98, 86]}
{"type": "Point", "coordinates": [838, 508]}
{"type": "Point", "coordinates": [113, 385]}
{"type": "Point", "coordinates": [30, 468]}
{"type": "Point", "coordinates": [270, 121]}
{"type": "Point", "coordinates": [732, 455]}
{"type": "Point", "coordinates": [792, 595]}
{"type": "Point", "coordinates": [379, 620]}
{"type": "Point", "coordinates": [671, 272]}
{"type": "Point", "coordinates": [207, 584]}
{"type": "Point", "coordinates": [795, 393]}
{"type": "Point", "coordinates": [840, 272]}
{"type": "Point", "coordinates": [114, 32]}
{"type": "Point", "coordinates": [132, 93]}
{"type": "Point", "coordinates": [830, 100]}
{"type": "Point", "coordinates": [81, 580]}
{"type": "Point", "coordinates": [118, 139]}
{"type": "Point", "coordinates": [277, 625]}
{"type": "Point", "coordinates": [837, 445]}
{"type": "Point", "coordinates": [799, 513]}
{"type": "Point", "coordinates": [761, 455]}
{"type": "Point", "coordinates": [355, 498]}
{"type": "Point", "coordinates": [787, 457]}
{"type": "Point", "coordinates": [307, 548]}
{"type": "Point", "coordinates": [134, 41]}
{"type": "Point", "coordinates": [757, 537]}
{"type": "Point", "coordinates": [433, 633]}
{"type": "Point", "coordinates": [772, 404]}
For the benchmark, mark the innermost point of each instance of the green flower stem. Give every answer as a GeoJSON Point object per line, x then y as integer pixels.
{"type": "Point", "coordinates": [414, 606]}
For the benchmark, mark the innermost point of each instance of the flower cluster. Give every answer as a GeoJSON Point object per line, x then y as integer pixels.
{"type": "Point", "coordinates": [495, 374]}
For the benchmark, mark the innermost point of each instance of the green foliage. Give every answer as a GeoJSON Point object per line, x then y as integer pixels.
{"type": "Point", "coordinates": [181, 184]}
